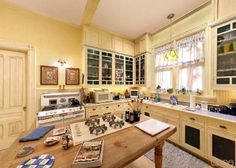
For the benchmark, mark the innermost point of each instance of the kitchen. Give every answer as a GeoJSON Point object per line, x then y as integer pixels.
{"type": "Point", "coordinates": [92, 48]}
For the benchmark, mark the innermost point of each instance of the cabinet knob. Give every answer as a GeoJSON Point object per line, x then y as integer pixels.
{"type": "Point", "coordinates": [94, 109]}
{"type": "Point", "coordinates": [118, 105]}
{"type": "Point", "coordinates": [222, 126]}
{"type": "Point", "coordinates": [191, 118]}
{"type": "Point", "coordinates": [107, 107]}
{"type": "Point", "coordinates": [146, 106]}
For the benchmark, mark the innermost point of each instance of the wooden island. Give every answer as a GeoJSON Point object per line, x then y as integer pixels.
{"type": "Point", "coordinates": [121, 148]}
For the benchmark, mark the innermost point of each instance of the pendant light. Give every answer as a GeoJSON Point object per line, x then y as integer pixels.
{"type": "Point", "coordinates": [172, 54]}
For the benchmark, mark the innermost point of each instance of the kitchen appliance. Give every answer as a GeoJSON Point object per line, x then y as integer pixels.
{"type": "Point", "coordinates": [134, 93]}
{"type": "Point", "coordinates": [233, 109]}
{"type": "Point", "coordinates": [56, 107]}
{"type": "Point", "coordinates": [224, 109]}
{"type": "Point", "coordinates": [102, 96]}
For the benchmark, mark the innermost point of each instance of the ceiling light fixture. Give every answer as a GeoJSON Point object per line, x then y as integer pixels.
{"type": "Point", "coordinates": [172, 54]}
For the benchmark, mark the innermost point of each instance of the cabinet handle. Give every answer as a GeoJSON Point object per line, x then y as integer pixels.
{"type": "Point", "coordinates": [106, 113]}
{"type": "Point", "coordinates": [146, 106]}
{"type": "Point", "coordinates": [118, 105]}
{"type": "Point", "coordinates": [94, 109]}
{"type": "Point", "coordinates": [222, 126]}
{"type": "Point", "coordinates": [191, 118]}
{"type": "Point", "coordinates": [93, 116]}
{"type": "Point", "coordinates": [107, 107]}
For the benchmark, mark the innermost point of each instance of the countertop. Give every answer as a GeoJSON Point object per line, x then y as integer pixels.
{"type": "Point", "coordinates": [203, 113]}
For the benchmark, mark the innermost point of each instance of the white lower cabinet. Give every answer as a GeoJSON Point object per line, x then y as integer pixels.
{"type": "Point", "coordinates": [193, 134]}
{"type": "Point", "coordinates": [221, 144]}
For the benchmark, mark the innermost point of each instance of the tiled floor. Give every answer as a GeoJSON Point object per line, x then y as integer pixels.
{"type": "Point", "coordinates": [174, 157]}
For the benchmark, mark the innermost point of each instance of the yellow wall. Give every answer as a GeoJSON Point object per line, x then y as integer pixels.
{"type": "Point", "coordinates": [53, 39]}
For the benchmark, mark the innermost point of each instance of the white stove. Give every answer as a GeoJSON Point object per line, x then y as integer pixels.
{"type": "Point", "coordinates": [58, 107]}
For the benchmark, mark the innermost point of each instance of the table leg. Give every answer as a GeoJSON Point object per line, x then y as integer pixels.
{"type": "Point", "coordinates": [158, 155]}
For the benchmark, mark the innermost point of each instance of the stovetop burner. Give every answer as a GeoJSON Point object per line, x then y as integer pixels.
{"type": "Point", "coordinates": [108, 118]}
{"type": "Point", "coordinates": [116, 124]}
{"type": "Point", "coordinates": [92, 122]}
{"type": "Point", "coordinates": [98, 129]}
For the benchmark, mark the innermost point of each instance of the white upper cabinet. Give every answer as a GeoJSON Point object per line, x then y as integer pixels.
{"type": "Point", "coordinates": [226, 8]}
{"type": "Point", "coordinates": [142, 45]}
{"type": "Point", "coordinates": [100, 39]}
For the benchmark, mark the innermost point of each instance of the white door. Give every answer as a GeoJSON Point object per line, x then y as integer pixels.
{"type": "Point", "coordinates": [12, 96]}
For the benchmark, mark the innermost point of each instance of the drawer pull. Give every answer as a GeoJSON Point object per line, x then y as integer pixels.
{"type": "Point", "coordinates": [94, 109]}
{"type": "Point", "coordinates": [191, 118]}
{"type": "Point", "coordinates": [106, 113]}
{"type": "Point", "coordinates": [93, 116]}
{"type": "Point", "coordinates": [107, 107]}
{"type": "Point", "coordinates": [118, 105]}
{"type": "Point", "coordinates": [222, 126]}
{"type": "Point", "coordinates": [146, 106]}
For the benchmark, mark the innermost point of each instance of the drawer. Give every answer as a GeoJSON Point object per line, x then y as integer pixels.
{"type": "Point", "coordinates": [193, 119]}
{"type": "Point", "coordinates": [222, 126]}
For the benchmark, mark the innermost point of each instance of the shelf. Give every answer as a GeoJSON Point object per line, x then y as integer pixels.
{"type": "Point", "coordinates": [225, 54]}
{"type": "Point", "coordinates": [93, 67]}
{"type": "Point", "coordinates": [106, 68]}
{"type": "Point", "coordinates": [226, 70]}
{"type": "Point", "coordinates": [93, 59]}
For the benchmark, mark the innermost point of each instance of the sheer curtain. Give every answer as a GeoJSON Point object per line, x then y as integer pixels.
{"type": "Point", "coordinates": [163, 68]}
{"type": "Point", "coordinates": [191, 62]}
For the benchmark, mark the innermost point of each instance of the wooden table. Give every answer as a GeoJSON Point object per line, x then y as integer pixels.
{"type": "Point", "coordinates": [121, 148]}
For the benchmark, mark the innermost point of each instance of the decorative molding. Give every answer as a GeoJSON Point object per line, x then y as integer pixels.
{"type": "Point", "coordinates": [15, 128]}
{"type": "Point", "coordinates": [1, 131]}
{"type": "Point", "coordinates": [221, 21]}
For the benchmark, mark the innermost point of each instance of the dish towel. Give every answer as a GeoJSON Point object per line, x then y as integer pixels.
{"type": "Point", "coordinates": [37, 133]}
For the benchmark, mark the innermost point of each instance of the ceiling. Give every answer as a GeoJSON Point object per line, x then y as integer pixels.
{"type": "Point", "coordinates": [130, 18]}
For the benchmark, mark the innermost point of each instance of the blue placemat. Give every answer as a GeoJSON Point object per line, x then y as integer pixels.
{"type": "Point", "coordinates": [37, 133]}
{"type": "Point", "coordinates": [42, 161]}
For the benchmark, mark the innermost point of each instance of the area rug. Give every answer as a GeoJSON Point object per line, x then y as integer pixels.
{"type": "Point", "coordinates": [174, 157]}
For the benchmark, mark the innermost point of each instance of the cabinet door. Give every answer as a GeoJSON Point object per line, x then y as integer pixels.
{"type": "Point", "coordinates": [117, 44]}
{"type": "Point", "coordinates": [106, 68]}
{"type": "Point", "coordinates": [91, 37]}
{"type": "Point", "coordinates": [137, 70]}
{"type": "Point", "coordinates": [129, 71]}
{"type": "Point", "coordinates": [128, 47]}
{"type": "Point", "coordinates": [193, 137]}
{"type": "Point", "coordinates": [119, 69]}
{"type": "Point", "coordinates": [106, 41]}
{"type": "Point", "coordinates": [175, 122]}
{"type": "Point", "coordinates": [221, 148]}
{"type": "Point", "coordinates": [93, 66]}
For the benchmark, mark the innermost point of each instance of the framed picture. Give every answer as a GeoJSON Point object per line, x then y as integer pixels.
{"type": "Point", "coordinates": [72, 76]}
{"type": "Point", "coordinates": [48, 75]}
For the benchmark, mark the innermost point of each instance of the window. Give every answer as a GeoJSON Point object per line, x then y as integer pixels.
{"type": "Point", "coordinates": [190, 62]}
{"type": "Point", "coordinates": [164, 79]}
{"type": "Point", "coordinates": [189, 67]}
{"type": "Point", "coordinates": [163, 69]}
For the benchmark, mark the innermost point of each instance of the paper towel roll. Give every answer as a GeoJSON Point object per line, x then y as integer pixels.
{"type": "Point", "coordinates": [192, 102]}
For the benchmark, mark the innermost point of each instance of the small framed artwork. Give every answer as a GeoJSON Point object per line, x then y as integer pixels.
{"type": "Point", "coordinates": [72, 76]}
{"type": "Point", "coordinates": [48, 75]}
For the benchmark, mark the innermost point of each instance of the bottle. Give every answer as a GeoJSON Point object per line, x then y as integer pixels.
{"type": "Point", "coordinates": [127, 115]}
{"type": "Point", "coordinates": [131, 117]}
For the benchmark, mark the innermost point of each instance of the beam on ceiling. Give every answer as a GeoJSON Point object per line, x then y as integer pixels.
{"type": "Point", "coordinates": [89, 11]}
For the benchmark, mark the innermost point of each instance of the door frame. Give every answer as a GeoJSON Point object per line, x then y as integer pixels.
{"type": "Point", "coordinates": [30, 63]}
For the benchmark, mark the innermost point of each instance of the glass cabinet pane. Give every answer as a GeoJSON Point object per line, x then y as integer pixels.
{"type": "Point", "coordinates": [106, 68]}
{"type": "Point", "coordinates": [137, 70]}
{"type": "Point", "coordinates": [223, 29]}
{"type": "Point", "coordinates": [223, 149]}
{"type": "Point", "coordinates": [128, 71]}
{"type": "Point", "coordinates": [192, 136]}
{"type": "Point", "coordinates": [142, 70]}
{"type": "Point", "coordinates": [93, 66]}
{"type": "Point", "coordinates": [119, 70]}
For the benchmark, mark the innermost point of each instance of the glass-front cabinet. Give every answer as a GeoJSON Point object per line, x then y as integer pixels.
{"type": "Point", "coordinates": [93, 64]}
{"type": "Point", "coordinates": [119, 69]}
{"type": "Point", "coordinates": [226, 54]}
{"type": "Point", "coordinates": [140, 69]}
{"type": "Point", "coordinates": [129, 70]}
{"type": "Point", "coordinates": [108, 68]}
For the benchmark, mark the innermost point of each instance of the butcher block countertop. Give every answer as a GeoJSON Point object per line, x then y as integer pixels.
{"type": "Point", "coordinates": [121, 148]}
